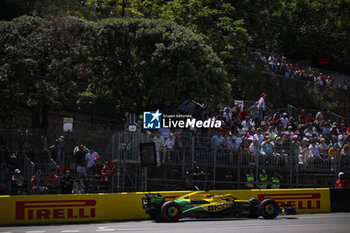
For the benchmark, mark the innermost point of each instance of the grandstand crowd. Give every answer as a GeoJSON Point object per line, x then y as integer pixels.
{"type": "Point", "coordinates": [248, 136]}
{"type": "Point", "coordinates": [282, 66]}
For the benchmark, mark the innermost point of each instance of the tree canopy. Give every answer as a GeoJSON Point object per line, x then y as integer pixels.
{"type": "Point", "coordinates": [138, 63]}
{"type": "Point", "coordinates": [155, 54]}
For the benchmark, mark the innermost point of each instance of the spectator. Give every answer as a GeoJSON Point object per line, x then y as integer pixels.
{"type": "Point", "coordinates": [245, 152]}
{"type": "Point", "coordinates": [271, 132]}
{"type": "Point", "coordinates": [342, 182]}
{"type": "Point", "coordinates": [91, 157]}
{"type": "Point", "coordinates": [272, 62]}
{"type": "Point", "coordinates": [97, 169]}
{"type": "Point", "coordinates": [249, 179]}
{"type": "Point", "coordinates": [267, 151]}
{"type": "Point", "coordinates": [285, 120]}
{"type": "Point", "coordinates": [218, 138]}
{"type": "Point", "coordinates": [341, 140]}
{"type": "Point", "coordinates": [315, 152]}
{"type": "Point", "coordinates": [227, 116]}
{"type": "Point", "coordinates": [165, 132]}
{"type": "Point", "coordinates": [302, 117]}
{"type": "Point", "coordinates": [57, 151]}
{"type": "Point", "coordinates": [276, 120]}
{"type": "Point", "coordinates": [309, 130]}
{"type": "Point", "coordinates": [79, 153]}
{"type": "Point", "coordinates": [247, 123]}
{"type": "Point", "coordinates": [304, 153]}
{"type": "Point", "coordinates": [160, 146]}
{"type": "Point", "coordinates": [263, 178]}
{"type": "Point", "coordinates": [323, 148]}
{"type": "Point", "coordinates": [276, 181]}
{"type": "Point", "coordinates": [106, 176]}
{"type": "Point", "coordinates": [320, 117]}
{"type": "Point", "coordinates": [67, 183]}
{"type": "Point", "coordinates": [261, 106]}
{"type": "Point", "coordinates": [244, 113]}
{"type": "Point", "coordinates": [258, 137]}
{"type": "Point", "coordinates": [52, 182]}
{"type": "Point", "coordinates": [39, 183]}
{"type": "Point", "coordinates": [178, 142]}
{"type": "Point", "coordinates": [169, 143]}
{"type": "Point", "coordinates": [17, 183]}
{"type": "Point", "coordinates": [78, 184]}
{"type": "Point", "coordinates": [310, 119]}
{"type": "Point", "coordinates": [334, 131]}
{"type": "Point", "coordinates": [326, 128]}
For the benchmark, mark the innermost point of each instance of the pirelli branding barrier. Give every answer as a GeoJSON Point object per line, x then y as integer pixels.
{"type": "Point", "coordinates": [303, 200]}
{"type": "Point", "coordinates": [38, 209]}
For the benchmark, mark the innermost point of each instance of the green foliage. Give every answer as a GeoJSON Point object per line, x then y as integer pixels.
{"type": "Point", "coordinates": [157, 63]}
{"type": "Point", "coordinates": [320, 97]}
{"type": "Point", "coordinates": [216, 20]}
{"type": "Point", "coordinates": [38, 62]}
{"type": "Point", "coordinates": [141, 64]}
{"type": "Point", "coordinates": [60, 7]}
{"type": "Point", "coordinates": [316, 28]}
{"type": "Point", "coordinates": [146, 64]}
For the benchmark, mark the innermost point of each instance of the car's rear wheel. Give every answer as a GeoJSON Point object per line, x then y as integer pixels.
{"type": "Point", "coordinates": [269, 209]}
{"type": "Point", "coordinates": [171, 211]}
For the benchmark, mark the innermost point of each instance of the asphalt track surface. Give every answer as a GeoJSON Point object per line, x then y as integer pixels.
{"type": "Point", "coordinates": [332, 222]}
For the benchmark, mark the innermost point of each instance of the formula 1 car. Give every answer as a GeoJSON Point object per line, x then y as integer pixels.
{"type": "Point", "coordinates": [203, 204]}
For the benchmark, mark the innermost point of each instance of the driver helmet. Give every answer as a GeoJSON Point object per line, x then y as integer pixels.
{"type": "Point", "coordinates": [340, 174]}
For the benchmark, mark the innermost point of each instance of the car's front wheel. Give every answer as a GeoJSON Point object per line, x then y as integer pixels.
{"type": "Point", "coordinates": [171, 211]}
{"type": "Point", "coordinates": [269, 209]}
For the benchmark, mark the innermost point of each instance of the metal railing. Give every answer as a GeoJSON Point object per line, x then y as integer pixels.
{"type": "Point", "coordinates": [194, 160]}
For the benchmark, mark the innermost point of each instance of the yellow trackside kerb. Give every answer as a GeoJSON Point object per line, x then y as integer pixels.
{"type": "Point", "coordinates": [37, 209]}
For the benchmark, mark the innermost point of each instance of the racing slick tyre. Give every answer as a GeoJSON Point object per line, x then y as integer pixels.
{"type": "Point", "coordinates": [171, 211]}
{"type": "Point", "coordinates": [269, 209]}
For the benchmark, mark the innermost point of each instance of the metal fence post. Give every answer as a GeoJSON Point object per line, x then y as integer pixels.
{"type": "Point", "coordinates": [192, 139]}
{"type": "Point", "coordinates": [119, 161]}
{"type": "Point", "coordinates": [238, 169]}
{"type": "Point", "coordinates": [214, 164]}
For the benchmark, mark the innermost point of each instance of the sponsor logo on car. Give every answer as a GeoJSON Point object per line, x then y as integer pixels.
{"type": "Point", "coordinates": [219, 207]}
{"type": "Point", "coordinates": [300, 201]}
{"type": "Point", "coordinates": [60, 209]}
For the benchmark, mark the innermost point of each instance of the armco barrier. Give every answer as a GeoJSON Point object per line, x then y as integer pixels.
{"type": "Point", "coordinates": [37, 209]}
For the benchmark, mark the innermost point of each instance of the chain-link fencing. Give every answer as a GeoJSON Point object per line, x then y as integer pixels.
{"type": "Point", "coordinates": [34, 164]}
